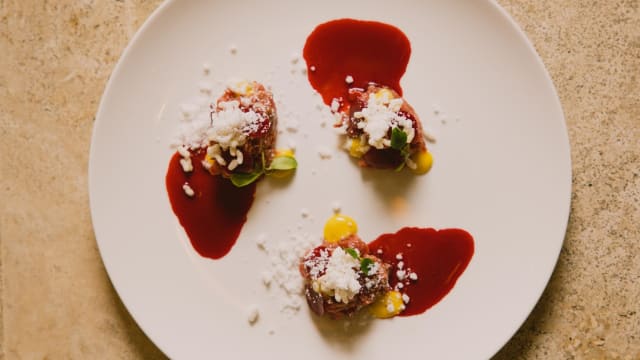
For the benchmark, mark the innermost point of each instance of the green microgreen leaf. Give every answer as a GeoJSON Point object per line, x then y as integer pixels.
{"type": "Point", "coordinates": [240, 179]}
{"type": "Point", "coordinates": [365, 265]}
{"type": "Point", "coordinates": [353, 253]}
{"type": "Point", "coordinates": [283, 163]}
{"type": "Point", "coordinates": [398, 138]}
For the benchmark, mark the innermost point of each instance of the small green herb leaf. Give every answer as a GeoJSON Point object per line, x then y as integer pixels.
{"type": "Point", "coordinates": [283, 163]}
{"type": "Point", "coordinates": [241, 180]}
{"type": "Point", "coordinates": [365, 265]}
{"type": "Point", "coordinates": [353, 253]}
{"type": "Point", "coordinates": [398, 138]}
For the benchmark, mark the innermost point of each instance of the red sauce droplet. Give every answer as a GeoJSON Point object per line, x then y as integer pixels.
{"type": "Point", "coordinates": [438, 257]}
{"type": "Point", "coordinates": [214, 216]}
{"type": "Point", "coordinates": [368, 51]}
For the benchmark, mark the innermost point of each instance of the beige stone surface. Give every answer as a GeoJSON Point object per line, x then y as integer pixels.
{"type": "Point", "coordinates": [56, 299]}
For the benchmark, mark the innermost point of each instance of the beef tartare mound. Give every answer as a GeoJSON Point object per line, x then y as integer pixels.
{"type": "Point", "coordinates": [382, 129]}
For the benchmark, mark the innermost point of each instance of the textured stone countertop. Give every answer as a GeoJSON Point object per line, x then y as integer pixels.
{"type": "Point", "coordinates": [55, 57]}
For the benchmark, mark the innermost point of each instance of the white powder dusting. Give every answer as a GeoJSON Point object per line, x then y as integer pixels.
{"type": "Point", "coordinates": [282, 277]}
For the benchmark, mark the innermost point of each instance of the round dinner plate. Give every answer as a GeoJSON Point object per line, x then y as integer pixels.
{"type": "Point", "coordinates": [502, 171]}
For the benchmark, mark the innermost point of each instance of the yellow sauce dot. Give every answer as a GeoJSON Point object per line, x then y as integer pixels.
{"type": "Point", "coordinates": [385, 95]}
{"type": "Point", "coordinates": [423, 161]}
{"type": "Point", "coordinates": [339, 227]}
{"type": "Point", "coordinates": [388, 305]}
{"type": "Point", "coordinates": [284, 152]}
{"type": "Point", "coordinates": [356, 148]}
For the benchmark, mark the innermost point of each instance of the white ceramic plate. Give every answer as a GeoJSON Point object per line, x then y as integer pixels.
{"type": "Point", "coordinates": [502, 171]}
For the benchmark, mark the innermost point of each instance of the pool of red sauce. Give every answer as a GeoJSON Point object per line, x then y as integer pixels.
{"type": "Point", "coordinates": [369, 51]}
{"type": "Point", "coordinates": [215, 215]}
{"type": "Point", "coordinates": [438, 257]}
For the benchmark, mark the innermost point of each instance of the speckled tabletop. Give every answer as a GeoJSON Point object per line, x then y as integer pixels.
{"type": "Point", "coordinates": [57, 301]}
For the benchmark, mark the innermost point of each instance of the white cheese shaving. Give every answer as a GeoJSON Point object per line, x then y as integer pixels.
{"type": "Point", "coordinates": [188, 190]}
{"type": "Point", "coordinates": [349, 79]}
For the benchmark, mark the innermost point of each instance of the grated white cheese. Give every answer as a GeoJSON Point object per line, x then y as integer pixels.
{"type": "Point", "coordinates": [349, 79]}
{"type": "Point", "coordinates": [405, 298]}
{"type": "Point", "coordinates": [413, 276]}
{"type": "Point", "coordinates": [312, 68]}
{"type": "Point", "coordinates": [341, 277]}
{"type": "Point", "coordinates": [380, 115]}
{"type": "Point", "coordinates": [188, 190]}
{"type": "Point", "coordinates": [187, 165]}
{"type": "Point", "coordinates": [401, 274]}
{"type": "Point", "coordinates": [230, 125]}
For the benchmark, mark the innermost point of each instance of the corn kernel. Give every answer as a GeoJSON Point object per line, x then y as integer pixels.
{"type": "Point", "coordinates": [423, 161]}
{"type": "Point", "coordinates": [339, 227]}
{"type": "Point", "coordinates": [388, 305]}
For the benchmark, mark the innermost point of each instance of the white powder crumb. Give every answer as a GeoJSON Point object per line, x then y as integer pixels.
{"type": "Point", "coordinates": [399, 256]}
{"type": "Point", "coordinates": [253, 313]}
{"type": "Point", "coordinates": [283, 274]}
{"type": "Point", "coordinates": [400, 265]}
{"type": "Point", "coordinates": [188, 190]}
{"type": "Point", "coordinates": [295, 58]}
{"type": "Point", "coordinates": [349, 79]}
{"type": "Point", "coordinates": [267, 277]}
{"type": "Point", "coordinates": [336, 207]}
{"type": "Point", "coordinates": [413, 276]}
{"type": "Point", "coordinates": [335, 105]}
{"type": "Point", "coordinates": [206, 68]}
{"type": "Point", "coordinates": [405, 298]}
{"type": "Point", "coordinates": [324, 153]}
{"type": "Point", "coordinates": [304, 212]}
{"type": "Point", "coordinates": [292, 126]}
{"type": "Point", "coordinates": [444, 121]}
{"type": "Point", "coordinates": [261, 241]}
{"type": "Point", "coordinates": [400, 274]}
{"type": "Point", "coordinates": [436, 109]}
{"type": "Point", "coordinates": [188, 111]}
{"type": "Point", "coordinates": [271, 332]}
{"type": "Point", "coordinates": [233, 49]}
{"type": "Point", "coordinates": [205, 88]}
{"type": "Point", "coordinates": [399, 285]}
{"type": "Point", "coordinates": [319, 107]}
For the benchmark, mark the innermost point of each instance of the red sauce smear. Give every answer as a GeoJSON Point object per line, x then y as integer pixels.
{"type": "Point", "coordinates": [368, 51]}
{"type": "Point", "coordinates": [438, 257]}
{"type": "Point", "coordinates": [214, 216]}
